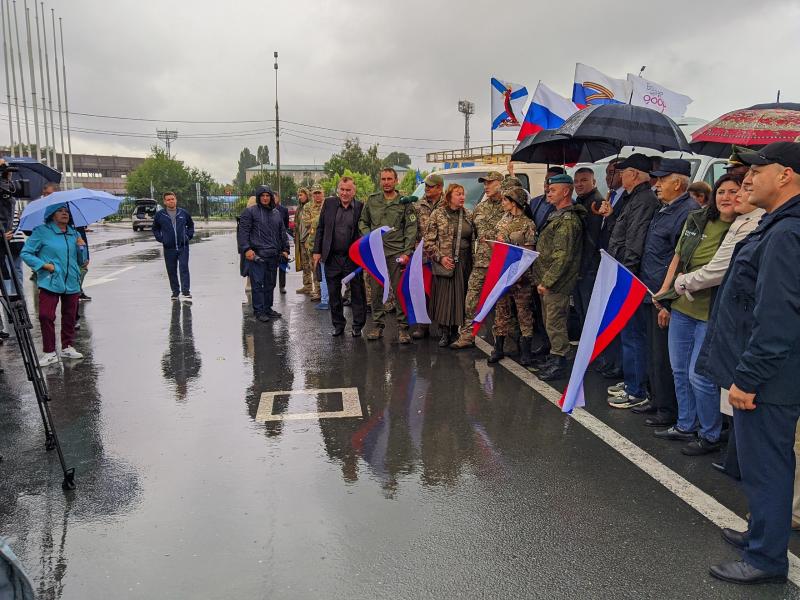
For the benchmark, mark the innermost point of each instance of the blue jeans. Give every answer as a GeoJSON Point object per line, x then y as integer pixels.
{"type": "Point", "coordinates": [16, 264]}
{"type": "Point", "coordinates": [177, 262]}
{"type": "Point", "coordinates": [263, 275]}
{"type": "Point", "coordinates": [323, 285]}
{"type": "Point", "coordinates": [634, 352]}
{"type": "Point", "coordinates": [698, 397]}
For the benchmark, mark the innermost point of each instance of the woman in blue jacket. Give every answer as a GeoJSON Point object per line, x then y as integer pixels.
{"type": "Point", "coordinates": [55, 253]}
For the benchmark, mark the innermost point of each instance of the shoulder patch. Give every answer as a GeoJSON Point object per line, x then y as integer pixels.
{"type": "Point", "coordinates": [412, 217]}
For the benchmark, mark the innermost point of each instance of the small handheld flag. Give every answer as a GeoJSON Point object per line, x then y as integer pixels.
{"type": "Point", "coordinates": [348, 278]}
{"type": "Point", "coordinates": [414, 285]}
{"type": "Point", "coordinates": [507, 264]}
{"type": "Point", "coordinates": [615, 297]}
{"type": "Point", "coordinates": [367, 252]}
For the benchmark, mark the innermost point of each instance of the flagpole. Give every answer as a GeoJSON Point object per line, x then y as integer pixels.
{"type": "Point", "coordinates": [58, 92]}
{"type": "Point", "coordinates": [53, 153]}
{"type": "Point", "coordinates": [66, 106]}
{"type": "Point", "coordinates": [14, 77]}
{"type": "Point", "coordinates": [630, 100]}
{"type": "Point", "coordinates": [22, 81]}
{"type": "Point", "coordinates": [41, 76]}
{"type": "Point", "coordinates": [8, 85]}
{"type": "Point", "coordinates": [33, 81]}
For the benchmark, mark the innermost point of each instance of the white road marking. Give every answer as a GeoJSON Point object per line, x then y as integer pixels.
{"type": "Point", "coordinates": [351, 406]}
{"type": "Point", "coordinates": [703, 503]}
{"type": "Point", "coordinates": [108, 278]}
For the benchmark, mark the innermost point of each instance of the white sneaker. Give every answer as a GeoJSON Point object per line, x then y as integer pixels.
{"type": "Point", "coordinates": [618, 389]}
{"type": "Point", "coordinates": [70, 352]}
{"type": "Point", "coordinates": [47, 359]}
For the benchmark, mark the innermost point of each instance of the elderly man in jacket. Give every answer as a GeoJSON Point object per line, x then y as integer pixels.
{"type": "Point", "coordinates": [263, 239]}
{"type": "Point", "coordinates": [753, 349]}
{"type": "Point", "coordinates": [634, 212]}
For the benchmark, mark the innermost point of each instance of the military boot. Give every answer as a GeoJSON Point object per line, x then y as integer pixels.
{"type": "Point", "coordinates": [497, 354]}
{"type": "Point", "coordinates": [542, 349]}
{"type": "Point", "coordinates": [465, 340]}
{"type": "Point", "coordinates": [302, 290]}
{"type": "Point", "coordinates": [375, 334]}
{"type": "Point", "coordinates": [525, 357]}
{"type": "Point", "coordinates": [403, 336]}
{"type": "Point", "coordinates": [555, 368]}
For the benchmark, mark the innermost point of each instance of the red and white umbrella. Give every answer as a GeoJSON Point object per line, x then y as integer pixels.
{"type": "Point", "coordinates": [748, 127]}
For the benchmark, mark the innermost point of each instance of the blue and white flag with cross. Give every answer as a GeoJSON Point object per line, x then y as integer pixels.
{"type": "Point", "coordinates": [508, 104]}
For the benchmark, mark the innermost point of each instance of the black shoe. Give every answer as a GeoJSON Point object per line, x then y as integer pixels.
{"type": "Point", "coordinates": [445, 340]}
{"type": "Point", "coordinates": [645, 409]}
{"type": "Point", "coordinates": [84, 298]}
{"type": "Point", "coordinates": [274, 315]}
{"type": "Point", "coordinates": [283, 290]}
{"type": "Point", "coordinates": [555, 369]}
{"type": "Point", "coordinates": [337, 332]}
{"type": "Point", "coordinates": [525, 358]}
{"type": "Point", "coordinates": [497, 354]}
{"type": "Point", "coordinates": [658, 421]}
{"type": "Point", "coordinates": [356, 331]}
{"type": "Point", "coordinates": [738, 571]}
{"type": "Point", "coordinates": [699, 447]}
{"type": "Point", "coordinates": [542, 349]}
{"type": "Point", "coordinates": [613, 373]}
{"type": "Point", "coordinates": [262, 318]}
{"type": "Point", "coordinates": [675, 434]}
{"type": "Point", "coordinates": [4, 335]}
{"type": "Point", "coordinates": [737, 539]}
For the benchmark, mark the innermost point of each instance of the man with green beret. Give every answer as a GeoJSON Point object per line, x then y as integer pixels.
{"type": "Point", "coordinates": [385, 208]}
{"type": "Point", "coordinates": [485, 218]}
{"type": "Point", "coordinates": [555, 272]}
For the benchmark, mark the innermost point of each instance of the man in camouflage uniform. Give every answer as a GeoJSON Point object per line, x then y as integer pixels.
{"type": "Point", "coordinates": [302, 259]}
{"type": "Point", "coordinates": [434, 188]}
{"type": "Point", "coordinates": [556, 271]}
{"type": "Point", "coordinates": [386, 208]}
{"type": "Point", "coordinates": [310, 220]}
{"type": "Point", "coordinates": [517, 229]}
{"type": "Point", "coordinates": [485, 218]}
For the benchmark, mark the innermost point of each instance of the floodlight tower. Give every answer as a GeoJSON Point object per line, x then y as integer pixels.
{"type": "Point", "coordinates": [467, 108]}
{"type": "Point", "coordinates": [167, 136]}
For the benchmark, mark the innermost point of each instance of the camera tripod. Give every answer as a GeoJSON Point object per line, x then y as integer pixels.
{"type": "Point", "coordinates": [15, 307]}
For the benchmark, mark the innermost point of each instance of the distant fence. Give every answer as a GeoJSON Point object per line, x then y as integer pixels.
{"type": "Point", "coordinates": [215, 207]}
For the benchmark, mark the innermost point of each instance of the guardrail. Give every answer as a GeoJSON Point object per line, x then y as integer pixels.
{"type": "Point", "coordinates": [482, 153]}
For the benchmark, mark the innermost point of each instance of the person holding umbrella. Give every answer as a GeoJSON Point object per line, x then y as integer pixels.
{"type": "Point", "coordinates": [55, 252]}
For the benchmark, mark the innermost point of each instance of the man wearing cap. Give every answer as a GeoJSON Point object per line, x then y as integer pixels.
{"type": "Point", "coordinates": [517, 229]}
{"type": "Point", "coordinates": [735, 165]}
{"type": "Point", "coordinates": [634, 212]}
{"type": "Point", "coordinates": [752, 344]}
{"type": "Point", "coordinates": [387, 208]}
{"type": "Point", "coordinates": [555, 272]}
{"type": "Point", "coordinates": [310, 217]}
{"type": "Point", "coordinates": [485, 218]}
{"type": "Point", "coordinates": [434, 186]}
{"type": "Point", "coordinates": [663, 233]}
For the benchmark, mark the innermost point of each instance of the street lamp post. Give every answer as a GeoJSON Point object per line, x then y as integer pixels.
{"type": "Point", "coordinates": [277, 132]}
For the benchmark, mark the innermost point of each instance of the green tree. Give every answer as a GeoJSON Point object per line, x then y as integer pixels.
{"type": "Point", "coordinates": [288, 186]}
{"type": "Point", "coordinates": [262, 155]}
{"type": "Point", "coordinates": [364, 184]}
{"type": "Point", "coordinates": [354, 158]}
{"type": "Point", "coordinates": [397, 159]}
{"type": "Point", "coordinates": [409, 183]}
{"type": "Point", "coordinates": [246, 160]}
{"type": "Point", "coordinates": [165, 174]}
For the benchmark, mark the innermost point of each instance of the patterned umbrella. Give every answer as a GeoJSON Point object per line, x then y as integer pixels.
{"type": "Point", "coordinates": [749, 127]}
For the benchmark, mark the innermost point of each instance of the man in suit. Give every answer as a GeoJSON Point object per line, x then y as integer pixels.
{"type": "Point", "coordinates": [336, 231]}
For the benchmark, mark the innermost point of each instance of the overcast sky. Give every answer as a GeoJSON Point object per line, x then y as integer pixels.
{"type": "Point", "coordinates": [389, 69]}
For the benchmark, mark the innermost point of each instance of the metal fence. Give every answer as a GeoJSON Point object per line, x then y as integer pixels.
{"type": "Point", "coordinates": [221, 208]}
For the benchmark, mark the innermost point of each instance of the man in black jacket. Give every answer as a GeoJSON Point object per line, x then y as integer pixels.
{"type": "Point", "coordinates": [336, 231]}
{"type": "Point", "coordinates": [634, 212]}
{"type": "Point", "coordinates": [263, 239]}
{"type": "Point", "coordinates": [752, 350]}
{"type": "Point", "coordinates": [590, 198]}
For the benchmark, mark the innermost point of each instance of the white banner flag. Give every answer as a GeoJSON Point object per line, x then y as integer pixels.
{"type": "Point", "coordinates": [653, 95]}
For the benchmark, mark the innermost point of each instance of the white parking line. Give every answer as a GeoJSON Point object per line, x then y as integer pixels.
{"type": "Point", "coordinates": [108, 278]}
{"type": "Point", "coordinates": [703, 503]}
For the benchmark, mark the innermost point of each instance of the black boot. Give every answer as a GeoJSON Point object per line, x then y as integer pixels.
{"type": "Point", "coordinates": [497, 354]}
{"type": "Point", "coordinates": [542, 349]}
{"type": "Point", "coordinates": [445, 340]}
{"type": "Point", "coordinates": [556, 368]}
{"type": "Point", "coordinates": [525, 357]}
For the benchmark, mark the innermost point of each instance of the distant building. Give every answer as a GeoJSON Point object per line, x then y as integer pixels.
{"type": "Point", "coordinates": [299, 173]}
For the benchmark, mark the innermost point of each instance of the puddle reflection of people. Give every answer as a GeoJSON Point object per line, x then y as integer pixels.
{"type": "Point", "coordinates": [181, 362]}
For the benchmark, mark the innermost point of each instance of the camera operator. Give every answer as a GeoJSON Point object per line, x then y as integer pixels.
{"type": "Point", "coordinates": [9, 191]}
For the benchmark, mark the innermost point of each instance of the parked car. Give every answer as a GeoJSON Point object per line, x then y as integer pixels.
{"type": "Point", "coordinates": [144, 211]}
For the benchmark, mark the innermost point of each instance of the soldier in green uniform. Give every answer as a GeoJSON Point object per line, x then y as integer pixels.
{"type": "Point", "coordinates": [385, 208]}
{"type": "Point", "coordinates": [434, 187]}
{"type": "Point", "coordinates": [485, 218]}
{"type": "Point", "coordinates": [555, 272]}
{"type": "Point", "coordinates": [302, 259]}
{"type": "Point", "coordinates": [517, 229]}
{"type": "Point", "coordinates": [310, 220]}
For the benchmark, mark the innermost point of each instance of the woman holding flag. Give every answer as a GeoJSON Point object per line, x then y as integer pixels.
{"type": "Point", "coordinates": [448, 242]}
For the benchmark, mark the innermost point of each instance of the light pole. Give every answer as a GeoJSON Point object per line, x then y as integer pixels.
{"type": "Point", "coordinates": [277, 132]}
{"type": "Point", "coordinates": [167, 136]}
{"type": "Point", "coordinates": [468, 109]}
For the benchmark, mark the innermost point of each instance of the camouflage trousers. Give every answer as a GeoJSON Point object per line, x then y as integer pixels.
{"type": "Point", "coordinates": [555, 312]}
{"type": "Point", "coordinates": [520, 294]}
{"type": "Point", "coordinates": [307, 270]}
{"type": "Point", "coordinates": [474, 286]}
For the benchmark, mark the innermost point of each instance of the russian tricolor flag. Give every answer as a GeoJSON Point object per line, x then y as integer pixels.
{"type": "Point", "coordinates": [507, 264]}
{"type": "Point", "coordinates": [414, 287]}
{"type": "Point", "coordinates": [367, 252]}
{"type": "Point", "coordinates": [593, 87]}
{"type": "Point", "coordinates": [615, 297]}
{"type": "Point", "coordinates": [547, 110]}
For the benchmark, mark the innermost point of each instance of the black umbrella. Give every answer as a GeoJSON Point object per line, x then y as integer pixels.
{"type": "Point", "coordinates": [552, 148]}
{"type": "Point", "coordinates": [625, 125]}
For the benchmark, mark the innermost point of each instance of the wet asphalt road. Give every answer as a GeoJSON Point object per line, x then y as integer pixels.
{"type": "Point", "coordinates": [457, 480]}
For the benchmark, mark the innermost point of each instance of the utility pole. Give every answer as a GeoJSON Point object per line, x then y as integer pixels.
{"type": "Point", "coordinates": [8, 85]}
{"type": "Point", "coordinates": [467, 108]}
{"type": "Point", "coordinates": [167, 136]}
{"type": "Point", "coordinates": [277, 132]}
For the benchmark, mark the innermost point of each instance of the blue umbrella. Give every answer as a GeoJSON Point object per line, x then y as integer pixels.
{"type": "Point", "coordinates": [86, 206]}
